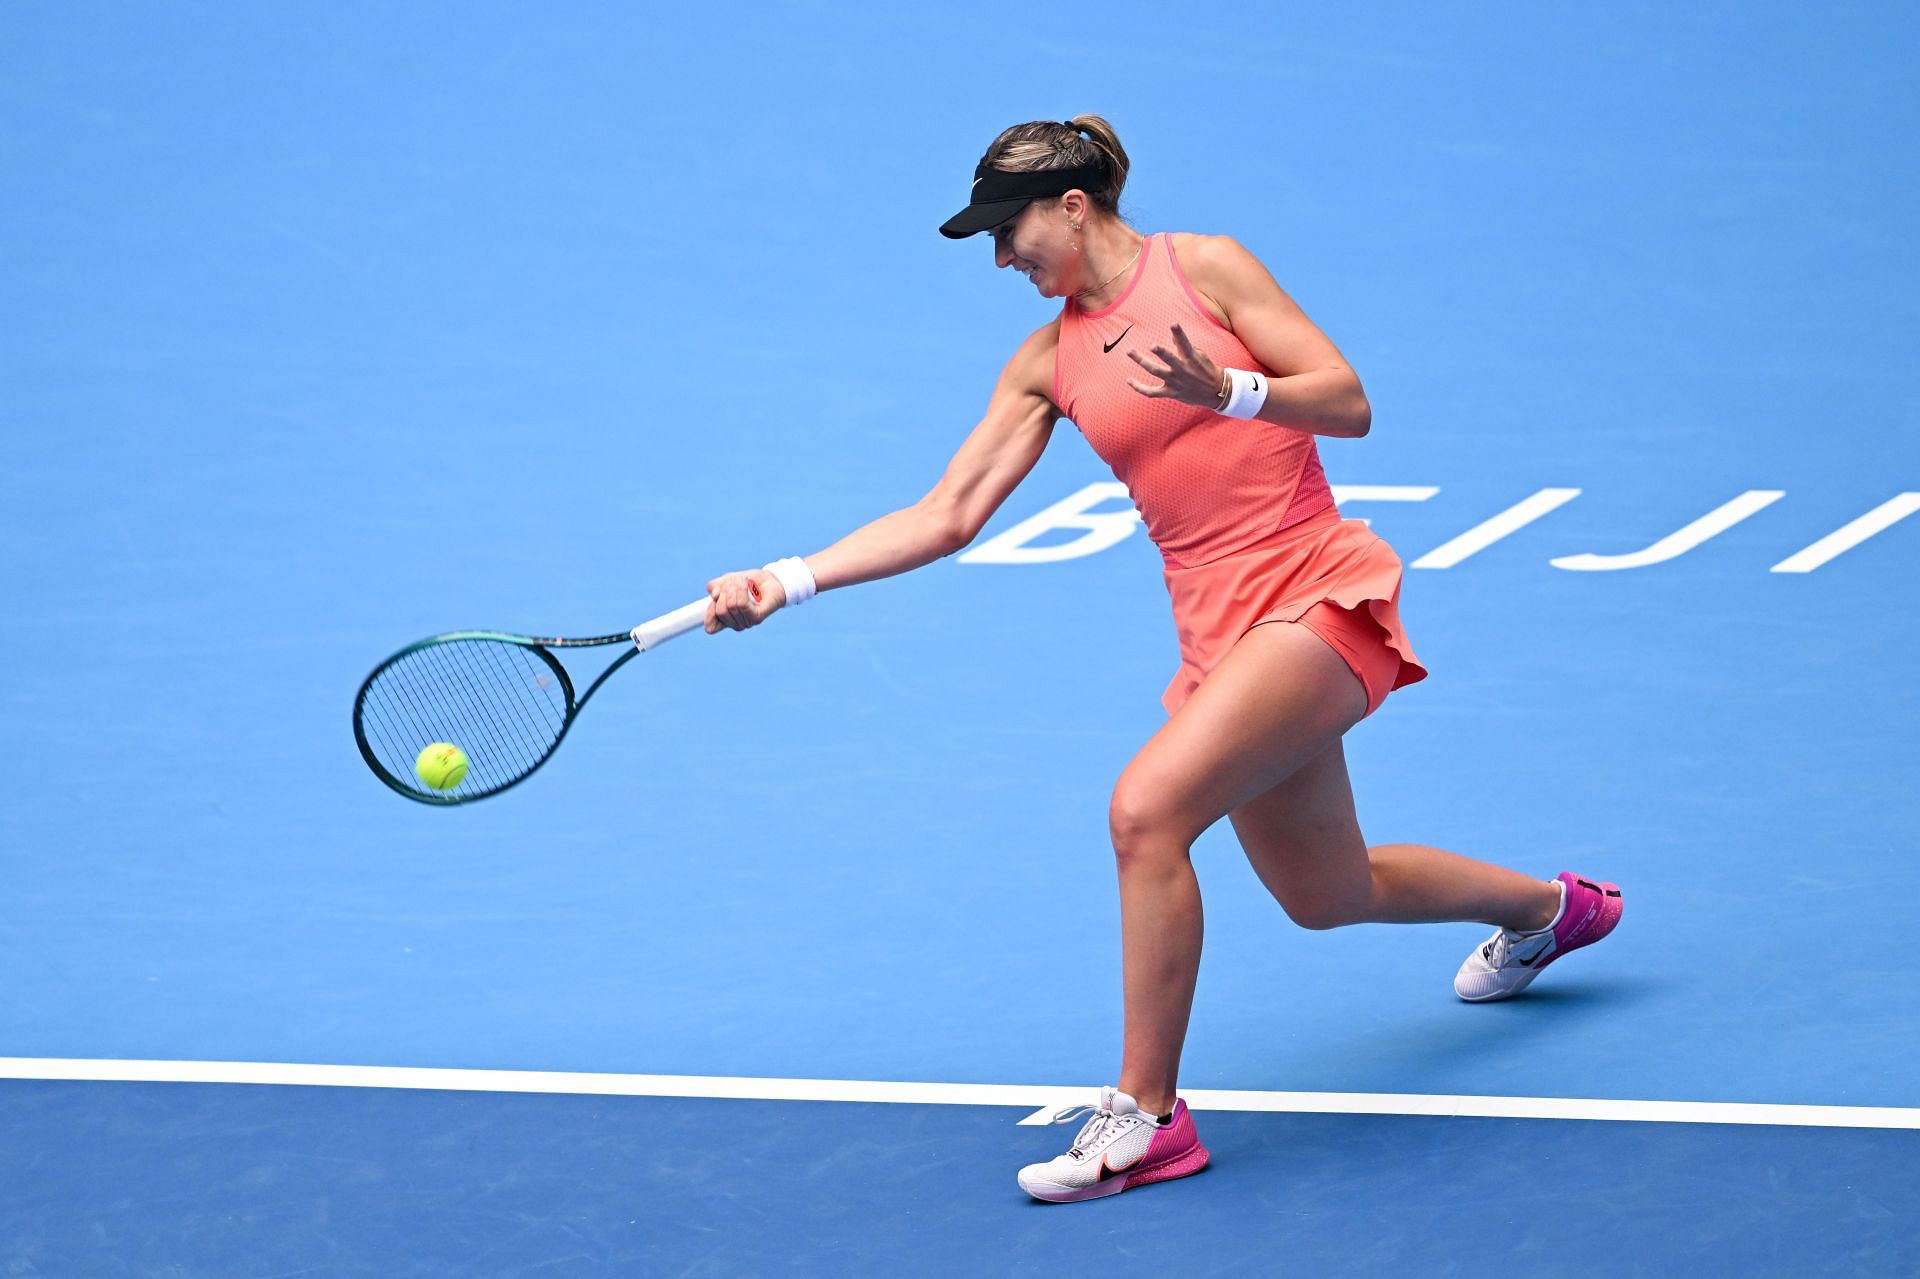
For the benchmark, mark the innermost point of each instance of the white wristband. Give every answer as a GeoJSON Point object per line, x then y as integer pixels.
{"type": "Point", "coordinates": [796, 579]}
{"type": "Point", "coordinates": [1249, 393]}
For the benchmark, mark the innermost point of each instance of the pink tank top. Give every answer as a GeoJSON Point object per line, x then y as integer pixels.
{"type": "Point", "coordinates": [1206, 485]}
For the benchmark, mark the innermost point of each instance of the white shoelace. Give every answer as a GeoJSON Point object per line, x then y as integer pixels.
{"type": "Point", "coordinates": [1091, 1132]}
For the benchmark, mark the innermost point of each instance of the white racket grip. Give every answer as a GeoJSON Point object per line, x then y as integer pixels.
{"type": "Point", "coordinates": [669, 625]}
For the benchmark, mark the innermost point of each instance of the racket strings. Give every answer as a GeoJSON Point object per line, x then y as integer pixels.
{"type": "Point", "coordinates": [500, 703]}
{"type": "Point", "coordinates": [455, 672]}
{"type": "Point", "coordinates": [505, 654]}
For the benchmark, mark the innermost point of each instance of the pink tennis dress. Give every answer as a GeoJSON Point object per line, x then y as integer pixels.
{"type": "Point", "coordinates": [1240, 510]}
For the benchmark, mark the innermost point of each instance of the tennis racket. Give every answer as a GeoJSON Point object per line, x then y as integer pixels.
{"type": "Point", "coordinates": [505, 700]}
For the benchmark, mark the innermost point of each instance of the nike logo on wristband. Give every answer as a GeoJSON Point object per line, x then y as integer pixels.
{"type": "Point", "coordinates": [1108, 348]}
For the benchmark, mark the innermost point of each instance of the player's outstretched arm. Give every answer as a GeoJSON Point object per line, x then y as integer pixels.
{"type": "Point", "coordinates": [991, 463]}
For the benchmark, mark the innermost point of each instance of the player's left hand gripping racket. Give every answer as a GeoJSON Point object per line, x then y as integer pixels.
{"type": "Point", "coordinates": [505, 700]}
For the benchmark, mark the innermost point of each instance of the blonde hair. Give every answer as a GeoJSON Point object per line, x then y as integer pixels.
{"type": "Point", "coordinates": [1049, 144]}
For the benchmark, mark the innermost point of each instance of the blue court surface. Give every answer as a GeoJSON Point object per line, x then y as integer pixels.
{"type": "Point", "coordinates": [326, 328]}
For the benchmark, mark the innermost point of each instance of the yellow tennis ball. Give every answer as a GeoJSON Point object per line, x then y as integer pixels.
{"type": "Point", "coordinates": [442, 765]}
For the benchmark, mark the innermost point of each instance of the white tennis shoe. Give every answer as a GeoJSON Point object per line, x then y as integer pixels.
{"type": "Point", "coordinates": [1506, 963]}
{"type": "Point", "coordinates": [1119, 1146]}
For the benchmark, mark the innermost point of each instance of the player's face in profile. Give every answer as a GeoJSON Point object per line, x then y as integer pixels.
{"type": "Point", "coordinates": [1036, 243]}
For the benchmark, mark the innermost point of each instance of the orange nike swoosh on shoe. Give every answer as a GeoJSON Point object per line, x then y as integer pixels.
{"type": "Point", "coordinates": [1108, 1170]}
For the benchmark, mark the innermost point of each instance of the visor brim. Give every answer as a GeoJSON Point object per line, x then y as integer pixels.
{"type": "Point", "coordinates": [976, 218]}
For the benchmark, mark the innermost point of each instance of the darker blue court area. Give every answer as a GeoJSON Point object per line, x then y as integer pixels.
{"type": "Point", "coordinates": [108, 1180]}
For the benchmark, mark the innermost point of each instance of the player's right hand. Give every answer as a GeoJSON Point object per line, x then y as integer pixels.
{"type": "Point", "coordinates": [736, 601]}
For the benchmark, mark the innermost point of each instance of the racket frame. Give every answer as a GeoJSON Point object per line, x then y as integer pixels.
{"type": "Point", "coordinates": [649, 634]}
{"type": "Point", "coordinates": [539, 647]}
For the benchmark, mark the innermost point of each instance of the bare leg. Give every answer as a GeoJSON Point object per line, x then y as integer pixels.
{"type": "Point", "coordinates": [1160, 932]}
{"type": "Point", "coordinates": [1278, 700]}
{"type": "Point", "coordinates": [1305, 844]}
{"type": "Point", "coordinates": [1415, 884]}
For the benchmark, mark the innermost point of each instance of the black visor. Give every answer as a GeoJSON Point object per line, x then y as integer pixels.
{"type": "Point", "coordinates": [997, 196]}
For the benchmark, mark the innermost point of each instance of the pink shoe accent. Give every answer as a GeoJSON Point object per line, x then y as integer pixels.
{"type": "Point", "coordinates": [1591, 911]}
{"type": "Point", "coordinates": [1175, 1151]}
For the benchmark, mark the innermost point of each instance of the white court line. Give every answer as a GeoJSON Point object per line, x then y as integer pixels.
{"type": "Point", "coordinates": [1041, 1099]}
{"type": "Point", "coordinates": [1505, 524]}
{"type": "Point", "coordinates": [1885, 515]}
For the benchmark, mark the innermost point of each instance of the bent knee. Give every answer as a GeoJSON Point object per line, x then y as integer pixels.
{"type": "Point", "coordinates": [1322, 914]}
{"type": "Point", "coordinates": [1144, 824]}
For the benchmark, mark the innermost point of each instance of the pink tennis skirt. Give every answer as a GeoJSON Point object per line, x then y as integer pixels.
{"type": "Point", "coordinates": [1337, 577]}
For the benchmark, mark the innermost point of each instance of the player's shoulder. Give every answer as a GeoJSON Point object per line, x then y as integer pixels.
{"type": "Point", "coordinates": [1044, 338]}
{"type": "Point", "coordinates": [1211, 257]}
{"type": "Point", "coordinates": [1032, 363]}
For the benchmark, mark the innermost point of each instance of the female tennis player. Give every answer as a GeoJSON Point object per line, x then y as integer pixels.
{"type": "Point", "coordinates": [1202, 384]}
